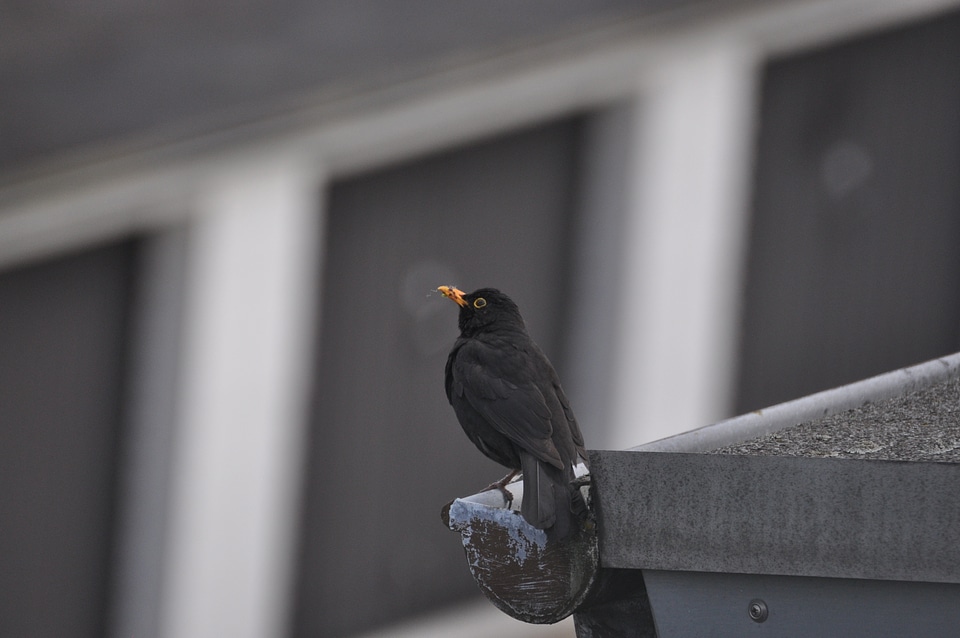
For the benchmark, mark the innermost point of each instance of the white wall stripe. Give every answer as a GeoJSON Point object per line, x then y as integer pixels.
{"type": "Point", "coordinates": [251, 280]}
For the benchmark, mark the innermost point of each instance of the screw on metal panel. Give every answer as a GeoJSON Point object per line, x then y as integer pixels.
{"type": "Point", "coordinates": [757, 610]}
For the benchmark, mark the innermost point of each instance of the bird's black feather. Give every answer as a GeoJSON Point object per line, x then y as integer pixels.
{"type": "Point", "coordinates": [509, 401]}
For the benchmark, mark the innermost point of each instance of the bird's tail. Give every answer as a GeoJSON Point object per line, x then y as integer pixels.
{"type": "Point", "coordinates": [550, 501]}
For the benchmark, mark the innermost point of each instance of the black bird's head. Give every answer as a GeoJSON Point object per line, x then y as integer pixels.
{"type": "Point", "coordinates": [484, 309]}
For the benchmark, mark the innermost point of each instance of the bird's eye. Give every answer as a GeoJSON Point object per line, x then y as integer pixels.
{"type": "Point", "coordinates": [479, 302]}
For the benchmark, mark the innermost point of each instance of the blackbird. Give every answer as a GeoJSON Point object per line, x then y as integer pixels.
{"type": "Point", "coordinates": [508, 399]}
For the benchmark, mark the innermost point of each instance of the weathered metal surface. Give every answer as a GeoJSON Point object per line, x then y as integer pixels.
{"type": "Point", "coordinates": [815, 406]}
{"type": "Point", "coordinates": [735, 605]}
{"type": "Point", "coordinates": [841, 518]}
{"type": "Point", "coordinates": [524, 573]}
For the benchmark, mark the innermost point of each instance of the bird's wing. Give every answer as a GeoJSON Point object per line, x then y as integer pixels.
{"type": "Point", "coordinates": [497, 384]}
{"type": "Point", "coordinates": [571, 419]}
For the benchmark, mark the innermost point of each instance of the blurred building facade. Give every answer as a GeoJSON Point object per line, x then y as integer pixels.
{"type": "Point", "coordinates": [221, 401]}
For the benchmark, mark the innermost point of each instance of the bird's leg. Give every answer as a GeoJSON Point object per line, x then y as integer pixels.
{"type": "Point", "coordinates": [502, 486]}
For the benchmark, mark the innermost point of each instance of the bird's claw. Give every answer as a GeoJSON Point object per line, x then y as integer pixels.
{"type": "Point", "coordinates": [501, 486]}
{"type": "Point", "coordinates": [507, 496]}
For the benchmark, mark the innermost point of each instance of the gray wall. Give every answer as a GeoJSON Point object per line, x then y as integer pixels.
{"type": "Point", "coordinates": [86, 75]}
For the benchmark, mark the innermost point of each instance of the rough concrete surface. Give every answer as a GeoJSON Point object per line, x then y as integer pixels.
{"type": "Point", "coordinates": [920, 426]}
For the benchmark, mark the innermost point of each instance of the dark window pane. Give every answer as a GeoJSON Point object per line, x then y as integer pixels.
{"type": "Point", "coordinates": [854, 266]}
{"type": "Point", "coordinates": [62, 340]}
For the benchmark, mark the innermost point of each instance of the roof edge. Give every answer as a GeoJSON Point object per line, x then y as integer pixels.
{"type": "Point", "coordinates": [815, 406]}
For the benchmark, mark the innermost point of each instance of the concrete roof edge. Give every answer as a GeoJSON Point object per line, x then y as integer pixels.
{"type": "Point", "coordinates": [751, 425]}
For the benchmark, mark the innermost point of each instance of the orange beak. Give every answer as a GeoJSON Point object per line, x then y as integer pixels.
{"type": "Point", "coordinates": [453, 294]}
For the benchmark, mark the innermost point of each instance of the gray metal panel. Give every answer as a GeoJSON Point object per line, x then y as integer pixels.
{"type": "Point", "coordinates": [716, 606]}
{"type": "Point", "coordinates": [619, 607]}
{"type": "Point", "coordinates": [779, 515]}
